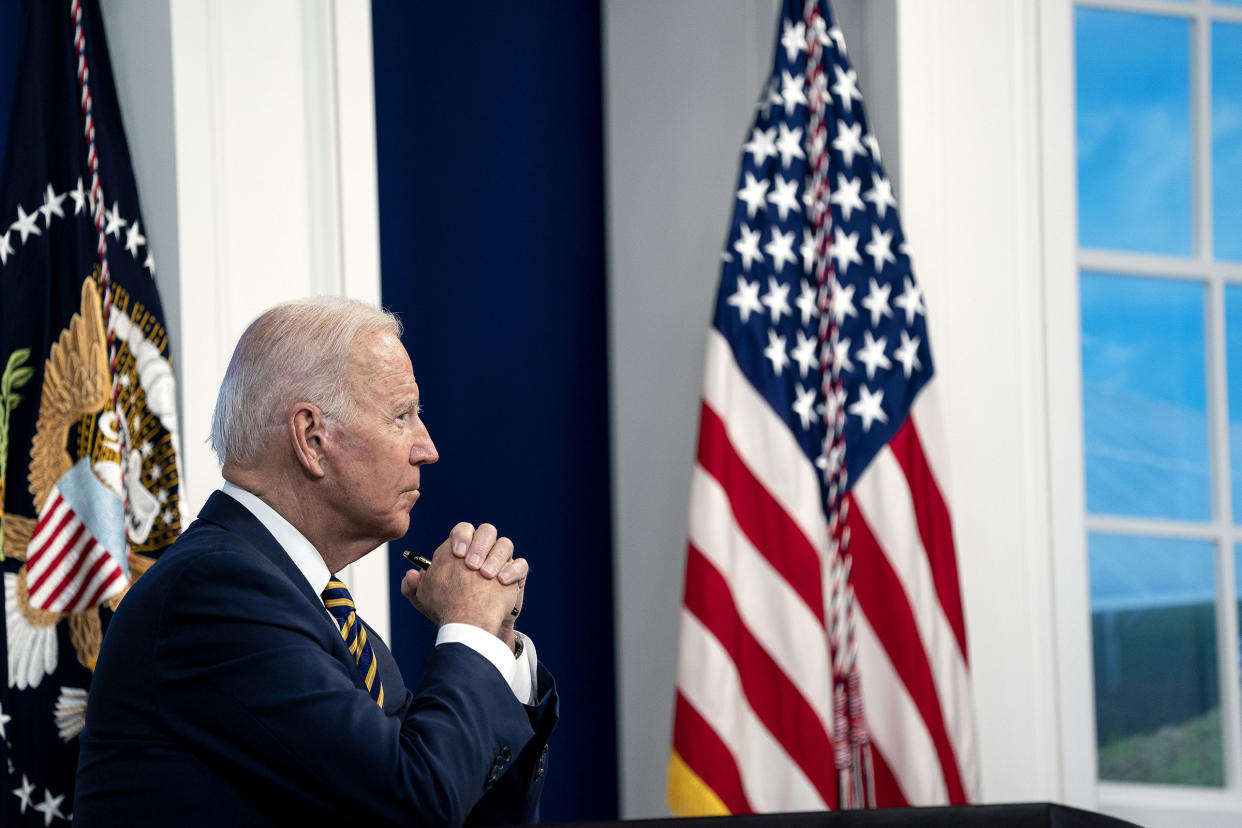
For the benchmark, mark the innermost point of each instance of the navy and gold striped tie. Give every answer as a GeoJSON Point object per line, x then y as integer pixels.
{"type": "Point", "coordinates": [340, 603]}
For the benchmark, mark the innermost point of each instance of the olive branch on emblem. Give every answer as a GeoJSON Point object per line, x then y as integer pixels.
{"type": "Point", "coordinates": [16, 374]}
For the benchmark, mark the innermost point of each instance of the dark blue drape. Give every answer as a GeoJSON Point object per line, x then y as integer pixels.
{"type": "Point", "coordinates": [10, 17]}
{"type": "Point", "coordinates": [489, 122]}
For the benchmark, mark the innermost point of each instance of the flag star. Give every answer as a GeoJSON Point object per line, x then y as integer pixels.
{"type": "Point", "coordinates": [846, 87]}
{"type": "Point", "coordinates": [124, 380]}
{"type": "Point", "coordinates": [808, 302]}
{"type": "Point", "coordinates": [847, 141]}
{"type": "Point", "coordinates": [134, 239]}
{"type": "Point", "coordinates": [872, 355]}
{"type": "Point", "coordinates": [79, 198]}
{"type": "Point", "coordinates": [804, 405]}
{"type": "Point", "coordinates": [845, 249]}
{"type": "Point", "coordinates": [838, 38]}
{"type": "Point", "coordinates": [780, 248]}
{"type": "Point", "coordinates": [881, 195]}
{"type": "Point", "coordinates": [785, 195]}
{"type": "Point", "coordinates": [769, 98]}
{"type": "Point", "coordinates": [841, 354]}
{"type": "Point", "coordinates": [168, 516]}
{"type": "Point", "coordinates": [51, 206]}
{"type": "Point", "coordinates": [794, 39]}
{"type": "Point", "coordinates": [807, 250]}
{"type": "Point", "coordinates": [804, 353]}
{"type": "Point", "coordinates": [878, 247]}
{"type": "Point", "coordinates": [868, 407]}
{"type": "Point", "coordinates": [777, 299]}
{"type": "Point", "coordinates": [4, 719]}
{"type": "Point", "coordinates": [162, 496]}
{"type": "Point", "coordinates": [911, 300]}
{"type": "Point", "coordinates": [156, 471]}
{"type": "Point", "coordinates": [791, 91]}
{"type": "Point", "coordinates": [842, 301]}
{"type": "Point", "coordinates": [746, 298]}
{"type": "Point", "coordinates": [25, 224]}
{"type": "Point", "coordinates": [146, 449]}
{"type": "Point", "coordinates": [762, 145]}
{"type": "Point", "coordinates": [907, 354]}
{"type": "Point", "coordinates": [876, 301]}
{"type": "Point", "coordinates": [872, 145]}
{"type": "Point", "coordinates": [115, 222]}
{"type": "Point", "coordinates": [6, 249]}
{"type": "Point", "coordinates": [775, 352]}
{"type": "Point", "coordinates": [50, 807]}
{"type": "Point", "coordinates": [23, 793]}
{"type": "Point", "coordinates": [789, 144]}
{"type": "Point", "coordinates": [149, 264]}
{"type": "Point", "coordinates": [846, 195]}
{"type": "Point", "coordinates": [753, 194]}
{"type": "Point", "coordinates": [748, 247]}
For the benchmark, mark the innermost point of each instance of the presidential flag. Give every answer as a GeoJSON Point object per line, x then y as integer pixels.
{"type": "Point", "coordinates": [823, 659]}
{"type": "Point", "coordinates": [88, 424]}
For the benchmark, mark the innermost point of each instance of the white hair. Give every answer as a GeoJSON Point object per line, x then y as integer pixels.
{"type": "Point", "coordinates": [298, 351]}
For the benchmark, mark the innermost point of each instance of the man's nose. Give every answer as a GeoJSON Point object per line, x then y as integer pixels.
{"type": "Point", "coordinates": [423, 451]}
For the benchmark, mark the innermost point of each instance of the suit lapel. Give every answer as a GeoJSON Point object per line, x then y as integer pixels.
{"type": "Point", "coordinates": [230, 515]}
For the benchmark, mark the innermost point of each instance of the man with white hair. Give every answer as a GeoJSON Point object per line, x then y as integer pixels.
{"type": "Point", "coordinates": [236, 680]}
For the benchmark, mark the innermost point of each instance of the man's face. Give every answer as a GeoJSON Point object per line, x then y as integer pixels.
{"type": "Point", "coordinates": [377, 469]}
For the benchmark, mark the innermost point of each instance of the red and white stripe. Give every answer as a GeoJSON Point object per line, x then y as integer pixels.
{"type": "Point", "coordinates": [67, 570]}
{"type": "Point", "coordinates": [754, 703]}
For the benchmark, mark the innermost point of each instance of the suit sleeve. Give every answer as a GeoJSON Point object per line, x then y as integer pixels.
{"type": "Point", "coordinates": [247, 676]}
{"type": "Point", "coordinates": [513, 796]}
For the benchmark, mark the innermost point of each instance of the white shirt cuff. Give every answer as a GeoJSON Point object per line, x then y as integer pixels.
{"type": "Point", "coordinates": [518, 672]}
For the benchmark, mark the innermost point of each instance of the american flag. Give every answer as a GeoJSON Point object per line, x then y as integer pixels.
{"type": "Point", "coordinates": [823, 658]}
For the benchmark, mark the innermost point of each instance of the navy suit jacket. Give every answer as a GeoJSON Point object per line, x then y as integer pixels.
{"type": "Point", "coordinates": [225, 695]}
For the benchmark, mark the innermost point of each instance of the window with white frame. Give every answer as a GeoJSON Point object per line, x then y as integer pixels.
{"type": "Point", "coordinates": [1158, 110]}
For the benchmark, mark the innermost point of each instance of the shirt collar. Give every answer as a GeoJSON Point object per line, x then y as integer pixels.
{"type": "Point", "coordinates": [304, 556]}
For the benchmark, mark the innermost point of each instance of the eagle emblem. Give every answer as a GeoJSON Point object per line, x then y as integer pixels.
{"type": "Point", "coordinates": [89, 459]}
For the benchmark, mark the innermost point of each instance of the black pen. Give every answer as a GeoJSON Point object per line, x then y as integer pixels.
{"type": "Point", "coordinates": [417, 561]}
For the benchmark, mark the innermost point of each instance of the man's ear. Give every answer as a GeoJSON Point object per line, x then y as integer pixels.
{"type": "Point", "coordinates": [308, 434]}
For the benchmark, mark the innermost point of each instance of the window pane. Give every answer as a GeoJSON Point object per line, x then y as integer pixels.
{"type": "Point", "coordinates": [1227, 140]}
{"type": "Point", "coordinates": [1233, 366]}
{"type": "Point", "coordinates": [1144, 401]}
{"type": "Point", "coordinates": [1153, 625]}
{"type": "Point", "coordinates": [1134, 167]}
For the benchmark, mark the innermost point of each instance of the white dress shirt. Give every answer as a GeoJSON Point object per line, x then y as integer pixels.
{"type": "Point", "coordinates": [518, 672]}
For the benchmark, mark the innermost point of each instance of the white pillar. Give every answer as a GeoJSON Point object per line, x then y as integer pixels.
{"type": "Point", "coordinates": [252, 128]}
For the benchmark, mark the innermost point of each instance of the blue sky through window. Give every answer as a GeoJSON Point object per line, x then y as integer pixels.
{"type": "Point", "coordinates": [1227, 140]}
{"type": "Point", "coordinates": [1133, 96]}
{"type": "Point", "coordinates": [1144, 397]}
